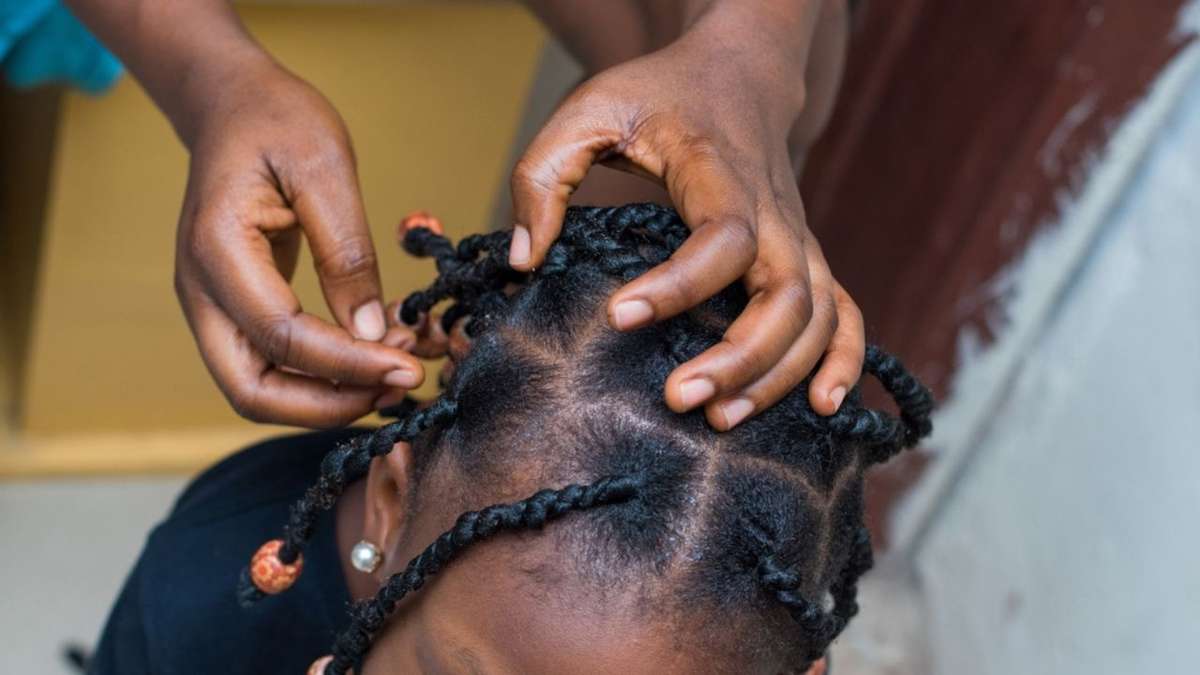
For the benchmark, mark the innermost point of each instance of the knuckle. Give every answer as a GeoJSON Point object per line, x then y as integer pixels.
{"type": "Point", "coordinates": [348, 366]}
{"type": "Point", "coordinates": [679, 291]}
{"type": "Point", "coordinates": [275, 335]}
{"type": "Point", "coordinates": [351, 258]}
{"type": "Point", "coordinates": [601, 92]}
{"type": "Point", "coordinates": [797, 296]}
{"type": "Point", "coordinates": [244, 399]}
{"type": "Point", "coordinates": [697, 149]}
{"type": "Point", "coordinates": [825, 307]}
{"type": "Point", "coordinates": [736, 234]}
{"type": "Point", "coordinates": [742, 364]}
{"type": "Point", "coordinates": [849, 310]}
{"type": "Point", "coordinates": [197, 243]}
{"type": "Point", "coordinates": [324, 154]}
{"type": "Point", "coordinates": [530, 175]}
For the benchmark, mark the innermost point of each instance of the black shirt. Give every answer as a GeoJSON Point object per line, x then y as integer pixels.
{"type": "Point", "coordinates": [178, 614]}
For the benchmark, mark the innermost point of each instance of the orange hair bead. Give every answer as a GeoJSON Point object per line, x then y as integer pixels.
{"type": "Point", "coordinates": [419, 219]}
{"type": "Point", "coordinates": [269, 574]}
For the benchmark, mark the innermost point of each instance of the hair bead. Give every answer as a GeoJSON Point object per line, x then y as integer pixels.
{"type": "Point", "coordinates": [419, 219]}
{"type": "Point", "coordinates": [270, 574]}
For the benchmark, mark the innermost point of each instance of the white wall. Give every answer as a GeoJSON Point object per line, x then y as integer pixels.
{"type": "Point", "coordinates": [1069, 543]}
{"type": "Point", "coordinates": [66, 549]}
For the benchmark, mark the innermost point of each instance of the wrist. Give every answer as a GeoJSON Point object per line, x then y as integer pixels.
{"type": "Point", "coordinates": [763, 46]}
{"type": "Point", "coordinates": [209, 84]}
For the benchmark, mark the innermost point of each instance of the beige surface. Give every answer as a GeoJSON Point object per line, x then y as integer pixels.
{"type": "Point", "coordinates": [432, 94]}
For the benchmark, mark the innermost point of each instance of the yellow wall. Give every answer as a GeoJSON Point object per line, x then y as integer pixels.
{"type": "Point", "coordinates": [431, 92]}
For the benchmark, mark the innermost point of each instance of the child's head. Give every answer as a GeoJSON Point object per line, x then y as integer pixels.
{"type": "Point", "coordinates": [651, 543]}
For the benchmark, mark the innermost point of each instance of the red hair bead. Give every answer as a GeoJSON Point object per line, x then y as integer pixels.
{"type": "Point", "coordinates": [419, 219]}
{"type": "Point", "coordinates": [269, 574]}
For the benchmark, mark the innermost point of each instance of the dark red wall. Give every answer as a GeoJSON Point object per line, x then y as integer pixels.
{"type": "Point", "coordinates": [959, 125]}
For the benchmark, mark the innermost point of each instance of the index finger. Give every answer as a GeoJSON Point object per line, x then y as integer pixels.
{"type": "Point", "coordinates": [245, 283]}
{"type": "Point", "coordinates": [261, 392]}
{"type": "Point", "coordinates": [722, 247]}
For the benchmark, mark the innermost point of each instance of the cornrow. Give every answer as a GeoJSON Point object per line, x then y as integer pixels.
{"type": "Point", "coordinates": [812, 616]}
{"type": "Point", "coordinates": [531, 513]}
{"type": "Point", "coordinates": [617, 243]}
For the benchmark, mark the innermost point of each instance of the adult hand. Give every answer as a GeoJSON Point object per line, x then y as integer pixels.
{"type": "Point", "coordinates": [271, 161]}
{"type": "Point", "coordinates": [708, 116]}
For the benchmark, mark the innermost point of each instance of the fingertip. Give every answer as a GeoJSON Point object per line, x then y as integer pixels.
{"type": "Point", "coordinates": [725, 415]}
{"type": "Point", "coordinates": [630, 314]}
{"type": "Point", "coordinates": [716, 419]}
{"type": "Point", "coordinates": [520, 251]}
{"type": "Point", "coordinates": [696, 391]}
{"type": "Point", "coordinates": [369, 322]}
{"type": "Point", "coordinates": [402, 378]}
{"type": "Point", "coordinates": [735, 411]}
{"type": "Point", "coordinates": [826, 400]}
{"type": "Point", "coordinates": [836, 397]}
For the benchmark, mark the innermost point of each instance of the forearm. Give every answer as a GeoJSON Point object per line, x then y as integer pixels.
{"type": "Point", "coordinates": [603, 33]}
{"type": "Point", "coordinates": [181, 52]}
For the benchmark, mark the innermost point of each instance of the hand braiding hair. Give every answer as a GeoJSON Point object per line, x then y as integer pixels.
{"type": "Point", "coordinates": [813, 464]}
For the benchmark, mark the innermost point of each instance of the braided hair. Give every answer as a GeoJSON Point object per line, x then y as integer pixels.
{"type": "Point", "coordinates": [764, 523]}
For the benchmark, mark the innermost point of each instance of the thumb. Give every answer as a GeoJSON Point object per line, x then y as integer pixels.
{"type": "Point", "coordinates": [330, 211]}
{"type": "Point", "coordinates": [555, 163]}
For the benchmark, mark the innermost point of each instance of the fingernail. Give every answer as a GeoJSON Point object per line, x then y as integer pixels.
{"type": "Point", "coordinates": [837, 395]}
{"type": "Point", "coordinates": [400, 378]}
{"type": "Point", "coordinates": [632, 314]}
{"type": "Point", "coordinates": [368, 321]}
{"type": "Point", "coordinates": [518, 254]}
{"type": "Point", "coordinates": [696, 391]}
{"type": "Point", "coordinates": [736, 410]}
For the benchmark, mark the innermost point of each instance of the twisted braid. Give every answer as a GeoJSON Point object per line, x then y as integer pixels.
{"type": "Point", "coordinates": [879, 433]}
{"type": "Point", "coordinates": [620, 243]}
{"type": "Point", "coordinates": [343, 465]}
{"type": "Point", "coordinates": [624, 242]}
{"type": "Point", "coordinates": [531, 513]}
{"type": "Point", "coordinates": [824, 624]}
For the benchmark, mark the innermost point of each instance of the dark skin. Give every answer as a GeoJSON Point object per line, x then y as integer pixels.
{"type": "Point", "coordinates": [715, 100]}
{"type": "Point", "coordinates": [483, 615]}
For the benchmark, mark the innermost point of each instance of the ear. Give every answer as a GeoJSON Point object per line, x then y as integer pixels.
{"type": "Point", "coordinates": [388, 500]}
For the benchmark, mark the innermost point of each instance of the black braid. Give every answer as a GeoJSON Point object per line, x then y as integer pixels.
{"type": "Point", "coordinates": [784, 583]}
{"type": "Point", "coordinates": [881, 434]}
{"type": "Point", "coordinates": [618, 243]}
{"type": "Point", "coordinates": [345, 464]}
{"type": "Point", "coordinates": [624, 242]}
{"type": "Point", "coordinates": [531, 513]}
